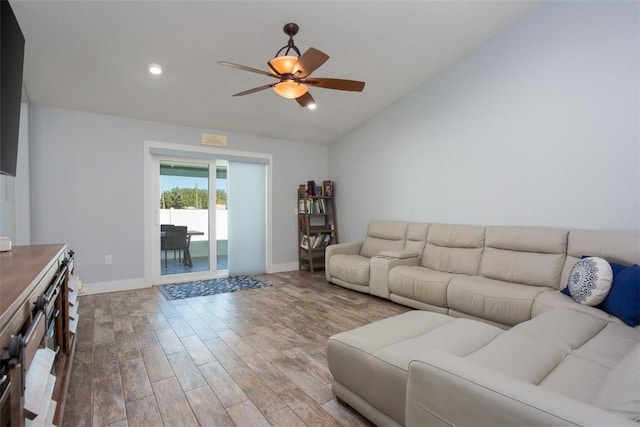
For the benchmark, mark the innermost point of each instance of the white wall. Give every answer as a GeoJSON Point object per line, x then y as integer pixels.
{"type": "Point", "coordinates": [15, 216]}
{"type": "Point", "coordinates": [23, 181]}
{"type": "Point", "coordinates": [8, 207]}
{"type": "Point", "coordinates": [86, 169]}
{"type": "Point", "coordinates": [539, 126]}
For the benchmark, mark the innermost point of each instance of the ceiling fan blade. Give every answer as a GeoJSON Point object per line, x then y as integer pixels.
{"type": "Point", "coordinates": [255, 89]}
{"type": "Point", "coordinates": [245, 68]}
{"type": "Point", "coordinates": [338, 84]}
{"type": "Point", "coordinates": [309, 61]}
{"type": "Point", "coordinates": [305, 100]}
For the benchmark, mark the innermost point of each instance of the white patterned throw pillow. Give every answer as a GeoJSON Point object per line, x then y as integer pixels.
{"type": "Point", "coordinates": [590, 281]}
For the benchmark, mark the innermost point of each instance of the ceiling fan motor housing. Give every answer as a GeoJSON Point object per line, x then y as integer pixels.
{"type": "Point", "coordinates": [291, 29]}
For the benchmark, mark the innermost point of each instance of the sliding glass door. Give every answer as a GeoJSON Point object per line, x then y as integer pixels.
{"type": "Point", "coordinates": [222, 215]}
{"type": "Point", "coordinates": [185, 220]}
{"type": "Point", "coordinates": [206, 215]}
{"type": "Point", "coordinates": [247, 218]}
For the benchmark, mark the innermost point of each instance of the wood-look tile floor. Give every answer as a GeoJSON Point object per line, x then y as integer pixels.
{"type": "Point", "coordinates": [248, 358]}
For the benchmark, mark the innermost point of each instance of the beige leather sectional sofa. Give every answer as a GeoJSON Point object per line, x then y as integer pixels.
{"type": "Point", "coordinates": [494, 341]}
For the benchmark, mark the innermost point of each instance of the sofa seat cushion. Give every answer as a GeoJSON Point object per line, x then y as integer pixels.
{"type": "Point", "coordinates": [582, 373]}
{"type": "Point", "coordinates": [420, 284]}
{"type": "Point", "coordinates": [597, 349]}
{"type": "Point", "coordinates": [564, 351]}
{"type": "Point", "coordinates": [350, 268]}
{"type": "Point", "coordinates": [502, 302]}
{"type": "Point", "coordinates": [554, 300]}
{"type": "Point", "coordinates": [372, 361]}
{"type": "Point", "coordinates": [620, 392]}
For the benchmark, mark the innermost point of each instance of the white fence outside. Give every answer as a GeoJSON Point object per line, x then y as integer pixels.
{"type": "Point", "coordinates": [197, 219]}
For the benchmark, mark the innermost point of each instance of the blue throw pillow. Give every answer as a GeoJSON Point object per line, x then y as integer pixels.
{"type": "Point", "coordinates": [617, 268]}
{"type": "Point", "coordinates": [623, 300]}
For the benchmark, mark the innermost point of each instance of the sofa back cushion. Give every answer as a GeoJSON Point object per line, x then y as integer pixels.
{"type": "Point", "coordinates": [529, 255]}
{"type": "Point", "coordinates": [416, 237]}
{"type": "Point", "coordinates": [454, 248]}
{"type": "Point", "coordinates": [384, 236]}
{"type": "Point", "coordinates": [614, 247]}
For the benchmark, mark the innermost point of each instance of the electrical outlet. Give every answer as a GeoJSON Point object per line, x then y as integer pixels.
{"type": "Point", "coordinates": [108, 259]}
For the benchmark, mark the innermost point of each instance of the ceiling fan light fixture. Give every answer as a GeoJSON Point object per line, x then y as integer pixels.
{"type": "Point", "coordinates": [290, 89]}
{"type": "Point", "coordinates": [283, 64]}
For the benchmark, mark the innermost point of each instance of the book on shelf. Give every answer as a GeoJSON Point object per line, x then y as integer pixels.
{"type": "Point", "coordinates": [319, 240]}
{"type": "Point", "coordinates": [315, 241]}
{"type": "Point", "coordinates": [312, 206]}
{"type": "Point", "coordinates": [327, 187]}
{"type": "Point", "coordinates": [312, 189]}
{"type": "Point", "coordinates": [303, 223]}
{"type": "Point", "coordinates": [305, 206]}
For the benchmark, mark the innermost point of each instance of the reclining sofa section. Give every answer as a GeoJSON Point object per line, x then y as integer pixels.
{"type": "Point", "coordinates": [503, 275]}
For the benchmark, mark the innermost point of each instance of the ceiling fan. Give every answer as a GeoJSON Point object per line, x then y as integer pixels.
{"type": "Point", "coordinates": [292, 73]}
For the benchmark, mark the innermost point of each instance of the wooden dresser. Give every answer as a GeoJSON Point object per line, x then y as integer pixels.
{"type": "Point", "coordinates": [38, 306]}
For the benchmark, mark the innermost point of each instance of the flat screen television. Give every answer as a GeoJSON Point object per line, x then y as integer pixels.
{"type": "Point", "coordinates": [11, 61]}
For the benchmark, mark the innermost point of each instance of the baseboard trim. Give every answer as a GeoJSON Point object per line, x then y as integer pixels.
{"type": "Point", "coordinates": [279, 268]}
{"type": "Point", "coordinates": [114, 286]}
{"type": "Point", "coordinates": [129, 284]}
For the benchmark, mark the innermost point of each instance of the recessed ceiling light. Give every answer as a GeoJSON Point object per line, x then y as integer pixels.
{"type": "Point", "coordinates": [311, 106]}
{"type": "Point", "coordinates": [155, 69]}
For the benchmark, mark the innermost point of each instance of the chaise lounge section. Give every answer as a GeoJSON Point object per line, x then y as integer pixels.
{"type": "Point", "coordinates": [494, 341]}
{"type": "Point", "coordinates": [422, 368]}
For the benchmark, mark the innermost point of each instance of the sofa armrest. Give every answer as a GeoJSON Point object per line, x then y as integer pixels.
{"type": "Point", "coordinates": [399, 254]}
{"type": "Point", "coordinates": [339, 248]}
{"type": "Point", "coordinates": [447, 389]}
{"type": "Point", "coordinates": [382, 264]}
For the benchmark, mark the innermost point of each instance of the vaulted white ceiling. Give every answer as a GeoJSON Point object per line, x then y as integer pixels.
{"type": "Point", "coordinates": [93, 56]}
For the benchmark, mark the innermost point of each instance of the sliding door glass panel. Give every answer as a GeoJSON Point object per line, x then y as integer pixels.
{"type": "Point", "coordinates": [247, 218]}
{"type": "Point", "coordinates": [184, 217]}
{"type": "Point", "coordinates": [222, 215]}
